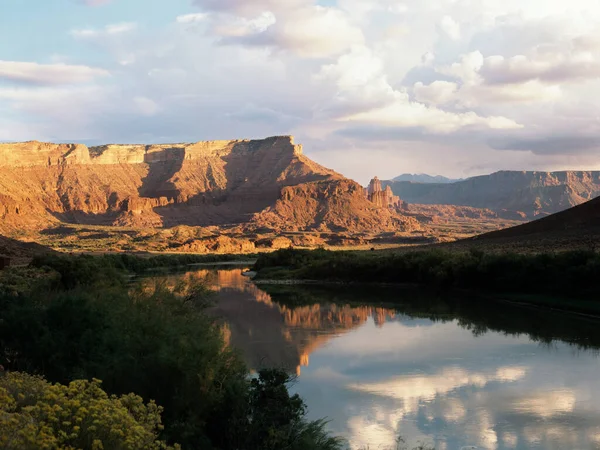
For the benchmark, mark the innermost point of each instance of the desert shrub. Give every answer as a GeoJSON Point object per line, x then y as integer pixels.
{"type": "Point", "coordinates": [37, 414]}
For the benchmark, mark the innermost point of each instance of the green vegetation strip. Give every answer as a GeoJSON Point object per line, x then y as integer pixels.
{"type": "Point", "coordinates": [566, 279]}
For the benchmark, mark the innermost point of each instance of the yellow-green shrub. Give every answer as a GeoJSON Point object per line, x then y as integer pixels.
{"type": "Point", "coordinates": [35, 414]}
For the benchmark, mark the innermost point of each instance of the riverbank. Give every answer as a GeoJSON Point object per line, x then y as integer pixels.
{"type": "Point", "coordinates": [71, 319]}
{"type": "Point", "coordinates": [564, 280]}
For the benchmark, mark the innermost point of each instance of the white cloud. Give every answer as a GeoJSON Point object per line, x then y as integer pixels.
{"type": "Point", "coordinates": [309, 31]}
{"type": "Point", "coordinates": [109, 30]}
{"type": "Point", "coordinates": [240, 27]}
{"type": "Point", "coordinates": [48, 74]}
{"type": "Point", "coordinates": [436, 93]}
{"type": "Point", "coordinates": [403, 113]}
{"type": "Point", "coordinates": [251, 8]}
{"type": "Point", "coordinates": [192, 18]}
{"type": "Point", "coordinates": [360, 79]}
{"type": "Point", "coordinates": [548, 67]}
{"type": "Point", "coordinates": [450, 27]}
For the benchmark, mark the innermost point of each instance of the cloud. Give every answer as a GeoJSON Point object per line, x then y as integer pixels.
{"type": "Point", "coordinates": [403, 113]}
{"type": "Point", "coordinates": [95, 2]}
{"type": "Point", "coordinates": [551, 144]}
{"type": "Point", "coordinates": [450, 28]}
{"type": "Point", "coordinates": [48, 74]}
{"type": "Point", "coordinates": [237, 29]}
{"type": "Point", "coordinates": [309, 31]}
{"type": "Point", "coordinates": [436, 93]}
{"type": "Point", "coordinates": [549, 67]}
{"type": "Point", "coordinates": [108, 30]}
{"type": "Point", "coordinates": [192, 18]}
{"type": "Point", "coordinates": [245, 7]}
{"type": "Point", "coordinates": [360, 79]}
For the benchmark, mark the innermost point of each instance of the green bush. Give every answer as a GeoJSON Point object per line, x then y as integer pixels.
{"type": "Point", "coordinates": [569, 273]}
{"type": "Point", "coordinates": [37, 414]}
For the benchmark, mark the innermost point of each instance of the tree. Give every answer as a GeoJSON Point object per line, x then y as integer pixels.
{"type": "Point", "coordinates": [277, 419]}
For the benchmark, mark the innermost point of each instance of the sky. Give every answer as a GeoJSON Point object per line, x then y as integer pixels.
{"type": "Point", "coordinates": [369, 87]}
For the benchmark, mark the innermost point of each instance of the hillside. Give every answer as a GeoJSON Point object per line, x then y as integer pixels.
{"type": "Point", "coordinates": [581, 223]}
{"type": "Point", "coordinates": [424, 178]}
{"type": "Point", "coordinates": [217, 183]}
{"type": "Point", "coordinates": [17, 249]}
{"type": "Point", "coordinates": [534, 194]}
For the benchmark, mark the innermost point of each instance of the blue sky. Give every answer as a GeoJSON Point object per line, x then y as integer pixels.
{"type": "Point", "coordinates": [457, 87]}
{"type": "Point", "coordinates": [37, 30]}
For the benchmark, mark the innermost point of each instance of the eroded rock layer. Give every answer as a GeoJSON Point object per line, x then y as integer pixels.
{"type": "Point", "coordinates": [200, 184]}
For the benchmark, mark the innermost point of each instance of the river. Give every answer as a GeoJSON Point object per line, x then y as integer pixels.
{"type": "Point", "coordinates": [382, 362]}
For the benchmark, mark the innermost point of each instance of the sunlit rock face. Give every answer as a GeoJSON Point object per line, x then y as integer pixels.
{"type": "Point", "coordinates": [266, 183]}
{"type": "Point", "coordinates": [383, 198]}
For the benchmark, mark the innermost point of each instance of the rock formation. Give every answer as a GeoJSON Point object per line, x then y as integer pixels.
{"type": "Point", "coordinates": [217, 183]}
{"type": "Point", "coordinates": [535, 194]}
{"type": "Point", "coordinates": [383, 198]}
{"type": "Point", "coordinates": [332, 205]}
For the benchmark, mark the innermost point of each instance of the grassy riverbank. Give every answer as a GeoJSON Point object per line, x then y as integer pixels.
{"type": "Point", "coordinates": [567, 279]}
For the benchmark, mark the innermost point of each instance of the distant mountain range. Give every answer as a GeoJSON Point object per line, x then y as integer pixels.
{"type": "Point", "coordinates": [424, 178]}
{"type": "Point", "coordinates": [536, 194]}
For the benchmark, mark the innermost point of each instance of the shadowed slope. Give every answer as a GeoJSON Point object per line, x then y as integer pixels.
{"type": "Point", "coordinates": [18, 249]}
{"type": "Point", "coordinates": [582, 220]}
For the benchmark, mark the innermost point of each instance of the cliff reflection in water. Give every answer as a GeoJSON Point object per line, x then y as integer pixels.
{"type": "Point", "coordinates": [449, 371]}
{"type": "Point", "coordinates": [271, 334]}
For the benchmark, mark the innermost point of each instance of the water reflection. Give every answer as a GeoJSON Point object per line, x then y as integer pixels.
{"type": "Point", "coordinates": [450, 372]}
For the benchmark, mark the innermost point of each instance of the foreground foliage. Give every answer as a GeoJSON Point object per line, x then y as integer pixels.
{"type": "Point", "coordinates": [37, 414]}
{"type": "Point", "coordinates": [87, 321]}
{"type": "Point", "coordinates": [571, 274]}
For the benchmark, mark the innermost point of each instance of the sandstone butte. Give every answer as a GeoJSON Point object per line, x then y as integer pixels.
{"type": "Point", "coordinates": [260, 184]}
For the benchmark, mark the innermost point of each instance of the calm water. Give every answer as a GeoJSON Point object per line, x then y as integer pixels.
{"type": "Point", "coordinates": [380, 363]}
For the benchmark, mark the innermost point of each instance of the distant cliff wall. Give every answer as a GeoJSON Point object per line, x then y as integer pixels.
{"type": "Point", "coordinates": [533, 193]}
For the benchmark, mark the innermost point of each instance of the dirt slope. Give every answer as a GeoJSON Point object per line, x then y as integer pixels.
{"type": "Point", "coordinates": [535, 194]}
